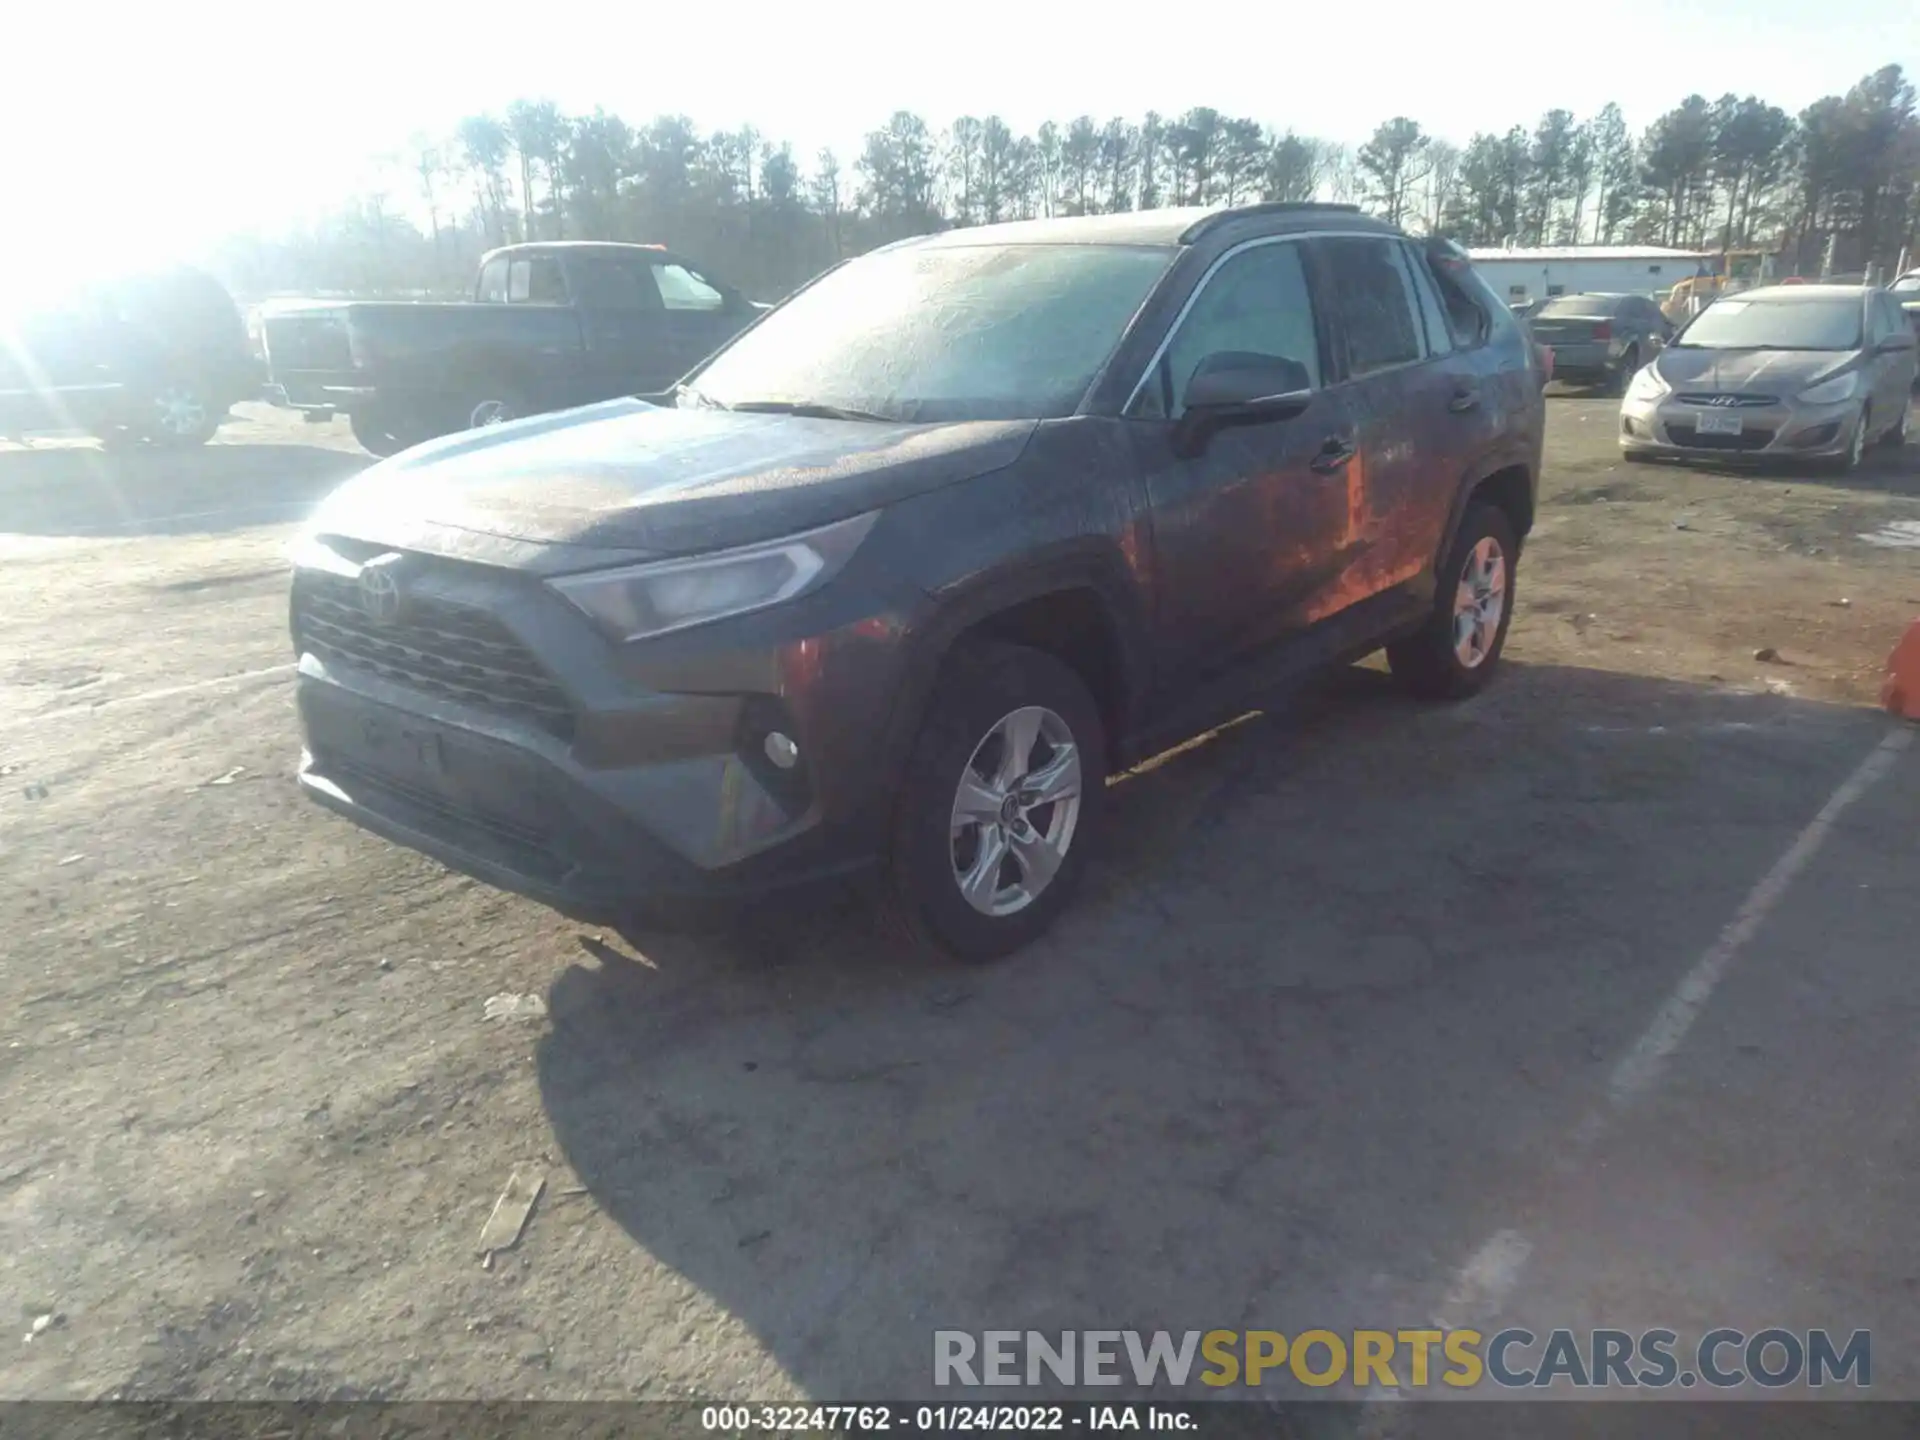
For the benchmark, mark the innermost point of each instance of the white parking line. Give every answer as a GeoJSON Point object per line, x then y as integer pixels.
{"type": "Point", "coordinates": [1487, 1278]}
{"type": "Point", "coordinates": [1637, 1070]}
{"type": "Point", "coordinates": [72, 710]}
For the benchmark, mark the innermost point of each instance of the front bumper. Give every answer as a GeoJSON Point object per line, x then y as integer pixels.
{"type": "Point", "coordinates": [1782, 430]}
{"type": "Point", "coordinates": [653, 785]}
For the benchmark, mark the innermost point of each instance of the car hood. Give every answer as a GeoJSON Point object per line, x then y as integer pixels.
{"type": "Point", "coordinates": [632, 477]}
{"type": "Point", "coordinates": [1779, 372]}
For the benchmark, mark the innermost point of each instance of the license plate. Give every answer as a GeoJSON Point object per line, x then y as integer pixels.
{"type": "Point", "coordinates": [1718, 424]}
{"type": "Point", "coordinates": [419, 750]}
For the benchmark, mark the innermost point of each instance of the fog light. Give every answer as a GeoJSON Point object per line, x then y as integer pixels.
{"type": "Point", "coordinates": [782, 751]}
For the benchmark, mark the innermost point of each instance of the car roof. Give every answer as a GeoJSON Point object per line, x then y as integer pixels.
{"type": "Point", "coordinates": [1170, 227]}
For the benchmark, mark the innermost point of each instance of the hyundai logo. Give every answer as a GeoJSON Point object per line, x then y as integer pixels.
{"type": "Point", "coordinates": [380, 589]}
{"type": "Point", "coordinates": [1724, 400]}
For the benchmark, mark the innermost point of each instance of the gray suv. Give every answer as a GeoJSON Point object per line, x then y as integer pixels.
{"type": "Point", "coordinates": [896, 580]}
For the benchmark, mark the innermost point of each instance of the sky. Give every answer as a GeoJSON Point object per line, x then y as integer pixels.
{"type": "Point", "coordinates": [140, 129]}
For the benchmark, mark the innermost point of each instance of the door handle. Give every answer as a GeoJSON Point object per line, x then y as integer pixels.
{"type": "Point", "coordinates": [1336, 452]}
{"type": "Point", "coordinates": [1463, 401]}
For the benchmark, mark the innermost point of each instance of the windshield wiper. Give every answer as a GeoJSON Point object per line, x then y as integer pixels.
{"type": "Point", "coordinates": [808, 409]}
{"type": "Point", "coordinates": [700, 402]}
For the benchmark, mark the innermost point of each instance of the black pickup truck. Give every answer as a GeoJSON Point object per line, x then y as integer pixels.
{"type": "Point", "coordinates": [550, 326]}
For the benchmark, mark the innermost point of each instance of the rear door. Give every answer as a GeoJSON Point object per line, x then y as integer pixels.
{"type": "Point", "coordinates": [1251, 531]}
{"type": "Point", "coordinates": [1416, 410]}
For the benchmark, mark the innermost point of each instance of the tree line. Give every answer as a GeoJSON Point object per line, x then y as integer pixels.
{"type": "Point", "coordinates": [1840, 180]}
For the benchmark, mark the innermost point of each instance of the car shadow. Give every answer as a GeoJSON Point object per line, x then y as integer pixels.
{"type": "Point", "coordinates": [81, 489]}
{"type": "Point", "coordinates": [1338, 974]}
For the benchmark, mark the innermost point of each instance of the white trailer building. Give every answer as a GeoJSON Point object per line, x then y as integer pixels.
{"type": "Point", "coordinates": [1548, 270]}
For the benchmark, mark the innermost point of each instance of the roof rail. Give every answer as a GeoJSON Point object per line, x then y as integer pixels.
{"type": "Point", "coordinates": [1265, 207]}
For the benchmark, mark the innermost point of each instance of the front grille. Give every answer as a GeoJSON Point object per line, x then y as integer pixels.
{"type": "Point", "coordinates": [440, 648]}
{"type": "Point", "coordinates": [1746, 440]}
{"type": "Point", "coordinates": [307, 342]}
{"type": "Point", "coordinates": [1720, 400]}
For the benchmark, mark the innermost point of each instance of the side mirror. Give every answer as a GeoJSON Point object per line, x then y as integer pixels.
{"type": "Point", "coordinates": [1237, 387]}
{"type": "Point", "coordinates": [1894, 344]}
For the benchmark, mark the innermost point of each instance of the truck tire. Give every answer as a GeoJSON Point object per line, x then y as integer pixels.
{"type": "Point", "coordinates": [977, 879]}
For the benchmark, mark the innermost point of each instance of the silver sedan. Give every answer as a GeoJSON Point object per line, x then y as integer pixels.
{"type": "Point", "coordinates": [1790, 371]}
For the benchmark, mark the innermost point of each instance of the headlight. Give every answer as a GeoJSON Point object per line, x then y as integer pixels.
{"type": "Point", "coordinates": [653, 599]}
{"type": "Point", "coordinates": [1648, 385]}
{"type": "Point", "coordinates": [1832, 392]}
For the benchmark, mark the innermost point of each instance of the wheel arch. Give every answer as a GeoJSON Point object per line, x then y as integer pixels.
{"type": "Point", "coordinates": [1075, 603]}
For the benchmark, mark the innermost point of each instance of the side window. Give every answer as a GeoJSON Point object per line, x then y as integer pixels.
{"type": "Point", "coordinates": [1256, 303]}
{"type": "Point", "coordinates": [492, 289]}
{"type": "Point", "coordinates": [681, 289]}
{"type": "Point", "coordinates": [1893, 319]}
{"type": "Point", "coordinates": [1553, 290]}
{"type": "Point", "coordinates": [600, 283]}
{"type": "Point", "coordinates": [536, 280]}
{"type": "Point", "coordinates": [1466, 319]}
{"type": "Point", "coordinates": [1432, 315]}
{"type": "Point", "coordinates": [1372, 303]}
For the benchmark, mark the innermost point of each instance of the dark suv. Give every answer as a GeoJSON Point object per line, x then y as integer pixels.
{"type": "Point", "coordinates": [900, 577]}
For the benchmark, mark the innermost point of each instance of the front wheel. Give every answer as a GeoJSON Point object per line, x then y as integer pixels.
{"type": "Point", "coordinates": [1896, 435]}
{"type": "Point", "coordinates": [1456, 652]}
{"type": "Point", "coordinates": [1850, 459]}
{"type": "Point", "coordinates": [1003, 793]}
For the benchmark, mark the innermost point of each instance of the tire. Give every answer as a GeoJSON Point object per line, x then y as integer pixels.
{"type": "Point", "coordinates": [1430, 663]}
{"type": "Point", "coordinates": [1896, 435]}
{"type": "Point", "coordinates": [1637, 457]}
{"type": "Point", "coordinates": [1856, 451]}
{"type": "Point", "coordinates": [987, 693]}
{"type": "Point", "coordinates": [378, 434]}
{"type": "Point", "coordinates": [179, 413]}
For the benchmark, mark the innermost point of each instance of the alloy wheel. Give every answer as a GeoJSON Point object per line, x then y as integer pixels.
{"type": "Point", "coordinates": [1479, 602]}
{"type": "Point", "coordinates": [1015, 810]}
{"type": "Point", "coordinates": [178, 412]}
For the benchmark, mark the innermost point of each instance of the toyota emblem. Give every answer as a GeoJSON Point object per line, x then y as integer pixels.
{"type": "Point", "coordinates": [380, 589]}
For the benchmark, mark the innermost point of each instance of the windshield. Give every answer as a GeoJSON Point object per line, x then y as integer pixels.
{"type": "Point", "coordinates": [1907, 284]}
{"type": "Point", "coordinates": [987, 332]}
{"type": "Point", "coordinates": [1594, 307]}
{"type": "Point", "coordinates": [1777, 325]}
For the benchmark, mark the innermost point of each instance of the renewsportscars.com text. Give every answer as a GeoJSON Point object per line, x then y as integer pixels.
{"type": "Point", "coordinates": [1404, 1359]}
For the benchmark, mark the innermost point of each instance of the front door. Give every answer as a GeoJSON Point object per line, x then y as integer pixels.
{"type": "Point", "coordinates": [622, 325]}
{"type": "Point", "coordinates": [699, 314]}
{"type": "Point", "coordinates": [1250, 532]}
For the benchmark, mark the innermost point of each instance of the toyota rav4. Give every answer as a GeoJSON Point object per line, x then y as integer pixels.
{"type": "Point", "coordinates": [899, 578]}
